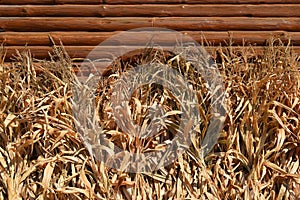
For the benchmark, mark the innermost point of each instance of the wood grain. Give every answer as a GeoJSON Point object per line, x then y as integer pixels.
{"type": "Point", "coordinates": [200, 1]}
{"type": "Point", "coordinates": [152, 10]}
{"type": "Point", "coordinates": [49, 2]}
{"type": "Point", "coordinates": [95, 38]}
{"type": "Point", "coordinates": [40, 24]}
{"type": "Point", "coordinates": [82, 24]}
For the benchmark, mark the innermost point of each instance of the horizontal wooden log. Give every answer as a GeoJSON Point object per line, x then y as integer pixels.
{"type": "Point", "coordinates": [82, 52]}
{"type": "Point", "coordinates": [49, 2]}
{"type": "Point", "coordinates": [39, 24]}
{"type": "Point", "coordinates": [200, 1]}
{"type": "Point", "coordinates": [24, 2]}
{"type": "Point", "coordinates": [152, 10]}
{"type": "Point", "coordinates": [95, 38]}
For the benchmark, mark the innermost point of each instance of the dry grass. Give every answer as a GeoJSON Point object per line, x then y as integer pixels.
{"type": "Point", "coordinates": [257, 156]}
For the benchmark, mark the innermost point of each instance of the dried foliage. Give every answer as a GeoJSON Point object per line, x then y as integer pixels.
{"type": "Point", "coordinates": [257, 156]}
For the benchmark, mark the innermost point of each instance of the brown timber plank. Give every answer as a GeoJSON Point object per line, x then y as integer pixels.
{"type": "Point", "coordinates": [79, 1]}
{"type": "Point", "coordinates": [42, 52]}
{"type": "Point", "coordinates": [49, 2]}
{"type": "Point", "coordinates": [200, 1]}
{"type": "Point", "coordinates": [95, 38]}
{"type": "Point", "coordinates": [47, 38]}
{"type": "Point", "coordinates": [40, 24]}
{"type": "Point", "coordinates": [152, 10]}
{"type": "Point", "coordinates": [24, 2]}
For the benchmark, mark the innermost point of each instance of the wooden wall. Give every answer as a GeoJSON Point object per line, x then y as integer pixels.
{"type": "Point", "coordinates": [82, 24]}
